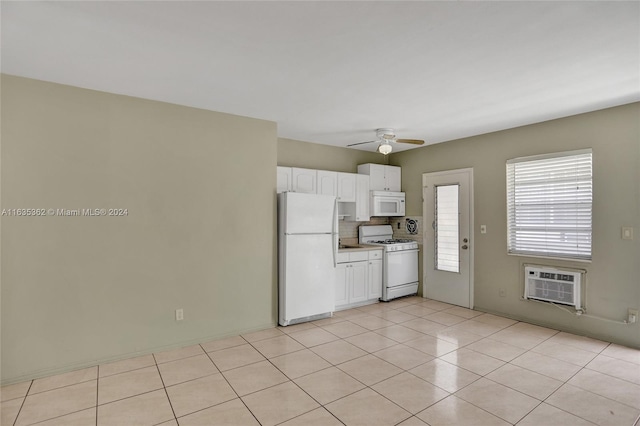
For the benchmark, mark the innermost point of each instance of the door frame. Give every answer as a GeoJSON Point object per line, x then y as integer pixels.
{"type": "Point", "coordinates": [425, 176]}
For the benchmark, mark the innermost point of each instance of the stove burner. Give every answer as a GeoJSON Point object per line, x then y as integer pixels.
{"type": "Point", "coordinates": [393, 241]}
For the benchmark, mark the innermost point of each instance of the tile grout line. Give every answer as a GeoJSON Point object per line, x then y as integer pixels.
{"type": "Point", "coordinates": [97, 391]}
{"type": "Point", "coordinates": [299, 387]}
{"type": "Point", "coordinates": [230, 386]}
{"type": "Point", "coordinates": [562, 409]}
{"type": "Point", "coordinates": [291, 380]}
{"type": "Point", "coordinates": [371, 313]}
{"type": "Point", "coordinates": [481, 376]}
{"type": "Point", "coordinates": [165, 388]}
{"type": "Point", "coordinates": [23, 401]}
{"type": "Point", "coordinates": [591, 392]}
{"type": "Point", "coordinates": [564, 382]}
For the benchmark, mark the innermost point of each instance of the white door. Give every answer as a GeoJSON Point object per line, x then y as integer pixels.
{"type": "Point", "coordinates": [448, 232]}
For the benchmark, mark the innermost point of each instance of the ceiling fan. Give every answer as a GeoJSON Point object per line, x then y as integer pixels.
{"type": "Point", "coordinates": [385, 137]}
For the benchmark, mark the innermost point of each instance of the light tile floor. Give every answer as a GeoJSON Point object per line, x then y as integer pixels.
{"type": "Point", "coordinates": [410, 362]}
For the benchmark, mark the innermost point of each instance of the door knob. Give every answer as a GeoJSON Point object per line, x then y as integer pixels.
{"type": "Point", "coordinates": [464, 247]}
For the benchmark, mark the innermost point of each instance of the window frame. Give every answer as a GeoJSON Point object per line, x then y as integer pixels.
{"type": "Point", "coordinates": [512, 210]}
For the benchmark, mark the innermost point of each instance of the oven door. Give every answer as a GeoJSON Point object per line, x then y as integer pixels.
{"type": "Point", "coordinates": [401, 267]}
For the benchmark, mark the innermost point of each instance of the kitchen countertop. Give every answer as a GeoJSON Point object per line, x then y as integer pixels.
{"type": "Point", "coordinates": [357, 247]}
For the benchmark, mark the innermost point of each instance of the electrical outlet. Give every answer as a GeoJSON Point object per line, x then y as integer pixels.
{"type": "Point", "coordinates": [502, 292]}
{"type": "Point", "coordinates": [632, 316]}
{"type": "Point", "coordinates": [179, 314]}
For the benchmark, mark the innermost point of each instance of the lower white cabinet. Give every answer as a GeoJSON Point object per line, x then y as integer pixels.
{"type": "Point", "coordinates": [342, 288]}
{"type": "Point", "coordinates": [358, 279]}
{"type": "Point", "coordinates": [374, 279]}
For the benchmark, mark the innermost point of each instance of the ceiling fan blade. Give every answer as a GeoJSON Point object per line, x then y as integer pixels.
{"type": "Point", "coordinates": [412, 141]}
{"type": "Point", "coordinates": [361, 143]}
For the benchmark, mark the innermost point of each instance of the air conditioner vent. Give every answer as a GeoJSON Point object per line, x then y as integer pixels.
{"type": "Point", "coordinates": [552, 285]}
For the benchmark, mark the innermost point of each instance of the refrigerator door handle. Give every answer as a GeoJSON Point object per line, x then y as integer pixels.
{"type": "Point", "coordinates": [335, 233]}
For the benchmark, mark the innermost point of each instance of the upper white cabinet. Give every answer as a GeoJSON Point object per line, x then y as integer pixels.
{"type": "Point", "coordinates": [327, 182]}
{"type": "Point", "coordinates": [382, 177]}
{"type": "Point", "coordinates": [350, 189]}
{"type": "Point", "coordinates": [304, 180]}
{"type": "Point", "coordinates": [284, 179]}
{"type": "Point", "coordinates": [346, 187]}
{"type": "Point", "coordinates": [362, 199]}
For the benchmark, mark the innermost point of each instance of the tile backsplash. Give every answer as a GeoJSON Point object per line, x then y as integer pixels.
{"type": "Point", "coordinates": [350, 229]}
{"type": "Point", "coordinates": [409, 227]}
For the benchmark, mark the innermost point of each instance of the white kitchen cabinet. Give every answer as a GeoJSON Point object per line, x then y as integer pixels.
{"type": "Point", "coordinates": [358, 209]}
{"type": "Point", "coordinates": [283, 179]}
{"type": "Point", "coordinates": [347, 187]}
{"type": "Point", "coordinates": [351, 285]}
{"type": "Point", "coordinates": [374, 278]}
{"type": "Point", "coordinates": [362, 199]}
{"type": "Point", "coordinates": [382, 177]}
{"type": "Point", "coordinates": [327, 182]}
{"type": "Point", "coordinates": [358, 288]}
{"type": "Point", "coordinates": [358, 278]}
{"type": "Point", "coordinates": [304, 180]}
{"type": "Point", "coordinates": [341, 286]}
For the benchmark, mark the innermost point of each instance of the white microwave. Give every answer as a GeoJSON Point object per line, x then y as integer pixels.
{"type": "Point", "coordinates": [385, 203]}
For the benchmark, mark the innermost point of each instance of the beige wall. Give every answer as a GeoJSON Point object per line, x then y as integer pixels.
{"type": "Point", "coordinates": [613, 278]}
{"type": "Point", "coordinates": [292, 153]}
{"type": "Point", "coordinates": [198, 186]}
{"type": "Point", "coordinates": [81, 290]}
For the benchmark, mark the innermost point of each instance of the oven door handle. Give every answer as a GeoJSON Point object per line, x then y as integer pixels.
{"type": "Point", "coordinates": [391, 253]}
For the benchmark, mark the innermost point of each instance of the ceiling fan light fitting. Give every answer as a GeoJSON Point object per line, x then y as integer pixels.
{"type": "Point", "coordinates": [385, 148]}
{"type": "Point", "coordinates": [386, 134]}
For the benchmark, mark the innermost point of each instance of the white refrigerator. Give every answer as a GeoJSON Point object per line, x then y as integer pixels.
{"type": "Point", "coordinates": [307, 248]}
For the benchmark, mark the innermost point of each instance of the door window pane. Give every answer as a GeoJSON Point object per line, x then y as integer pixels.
{"type": "Point", "coordinates": [447, 228]}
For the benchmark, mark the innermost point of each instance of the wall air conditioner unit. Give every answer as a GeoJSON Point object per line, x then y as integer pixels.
{"type": "Point", "coordinates": [552, 285]}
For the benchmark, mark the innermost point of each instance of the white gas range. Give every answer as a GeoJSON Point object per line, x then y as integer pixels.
{"type": "Point", "coordinates": [400, 266]}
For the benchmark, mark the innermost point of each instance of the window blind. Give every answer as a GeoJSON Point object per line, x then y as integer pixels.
{"type": "Point", "coordinates": [447, 228]}
{"type": "Point", "coordinates": [549, 205]}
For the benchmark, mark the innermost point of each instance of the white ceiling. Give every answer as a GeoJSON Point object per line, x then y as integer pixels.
{"type": "Point", "coordinates": [332, 72]}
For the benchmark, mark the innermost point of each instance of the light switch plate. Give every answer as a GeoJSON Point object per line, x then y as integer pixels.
{"type": "Point", "coordinates": [483, 229]}
{"type": "Point", "coordinates": [627, 233]}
